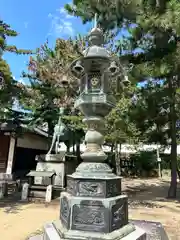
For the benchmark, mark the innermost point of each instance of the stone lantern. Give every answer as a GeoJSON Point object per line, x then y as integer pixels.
{"type": "Point", "coordinates": [93, 206]}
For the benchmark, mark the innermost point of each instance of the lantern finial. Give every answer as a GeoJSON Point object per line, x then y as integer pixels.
{"type": "Point", "coordinates": [95, 20]}
{"type": "Point", "coordinates": [96, 34]}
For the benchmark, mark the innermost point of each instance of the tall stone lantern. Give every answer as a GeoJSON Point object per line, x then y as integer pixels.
{"type": "Point", "coordinates": [93, 206]}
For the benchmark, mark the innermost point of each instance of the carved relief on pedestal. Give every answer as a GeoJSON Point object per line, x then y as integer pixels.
{"type": "Point", "coordinates": [91, 189]}
{"type": "Point", "coordinates": [94, 188]}
{"type": "Point", "coordinates": [64, 211]}
{"type": "Point", "coordinates": [113, 188]}
{"type": "Point", "coordinates": [93, 167]}
{"type": "Point", "coordinates": [119, 214]}
{"type": "Point", "coordinates": [88, 218]}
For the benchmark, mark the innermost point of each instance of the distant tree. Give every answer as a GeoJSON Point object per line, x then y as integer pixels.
{"type": "Point", "coordinates": [120, 128]}
{"type": "Point", "coordinates": [51, 86]}
{"type": "Point", "coordinates": [9, 88]}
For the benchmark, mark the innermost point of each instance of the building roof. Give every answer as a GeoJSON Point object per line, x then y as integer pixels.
{"type": "Point", "coordinates": [19, 121]}
{"type": "Point", "coordinates": [9, 126]}
{"type": "Point", "coordinates": [36, 130]}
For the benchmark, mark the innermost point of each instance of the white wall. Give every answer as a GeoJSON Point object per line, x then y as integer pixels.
{"type": "Point", "coordinates": [127, 148]}
{"type": "Point", "coordinates": [32, 141]}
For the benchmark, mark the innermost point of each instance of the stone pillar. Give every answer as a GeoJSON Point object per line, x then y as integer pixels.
{"type": "Point", "coordinates": [3, 189]}
{"type": "Point", "coordinates": [25, 192]}
{"type": "Point", "coordinates": [48, 196]}
{"type": "Point", "coordinates": [7, 176]}
{"type": "Point", "coordinates": [11, 156]}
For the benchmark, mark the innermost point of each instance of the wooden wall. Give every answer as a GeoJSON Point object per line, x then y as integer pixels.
{"type": "Point", "coordinates": [4, 150]}
{"type": "Point", "coordinates": [33, 141]}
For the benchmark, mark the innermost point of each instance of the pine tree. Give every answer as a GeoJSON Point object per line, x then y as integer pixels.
{"type": "Point", "coordinates": [162, 61]}
{"type": "Point", "coordinates": [5, 32]}
{"type": "Point", "coordinates": [9, 88]}
{"type": "Point", "coordinates": [149, 113]}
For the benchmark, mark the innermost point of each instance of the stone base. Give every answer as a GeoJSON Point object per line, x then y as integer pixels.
{"type": "Point", "coordinates": [27, 193]}
{"type": "Point", "coordinates": [37, 237]}
{"type": "Point", "coordinates": [52, 232]}
{"type": "Point", "coordinates": [153, 230]}
{"type": "Point", "coordinates": [93, 214]}
{"type": "Point", "coordinates": [57, 167]}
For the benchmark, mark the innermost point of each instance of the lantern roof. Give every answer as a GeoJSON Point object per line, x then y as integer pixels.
{"type": "Point", "coordinates": [96, 41]}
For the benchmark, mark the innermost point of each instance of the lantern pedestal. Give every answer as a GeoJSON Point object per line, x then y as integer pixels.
{"type": "Point", "coordinates": [93, 207]}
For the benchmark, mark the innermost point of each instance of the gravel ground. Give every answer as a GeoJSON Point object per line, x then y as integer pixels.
{"type": "Point", "coordinates": [146, 201]}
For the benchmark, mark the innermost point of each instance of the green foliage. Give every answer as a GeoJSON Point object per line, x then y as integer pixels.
{"type": "Point", "coordinates": [119, 127]}
{"type": "Point", "coordinates": [165, 161]}
{"type": "Point", "coordinates": [6, 31]}
{"type": "Point", "coordinates": [74, 121]}
{"type": "Point", "coordinates": [150, 113]}
{"type": "Point", "coordinates": [50, 84]}
{"type": "Point", "coordinates": [9, 88]}
{"type": "Point", "coordinates": [144, 161]}
{"type": "Point", "coordinates": [156, 31]}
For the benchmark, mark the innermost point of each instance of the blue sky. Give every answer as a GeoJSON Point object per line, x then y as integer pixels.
{"type": "Point", "coordinates": [35, 21]}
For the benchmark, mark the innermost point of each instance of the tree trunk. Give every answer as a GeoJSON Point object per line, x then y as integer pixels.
{"type": "Point", "coordinates": [118, 171]}
{"type": "Point", "coordinates": [172, 125]}
{"type": "Point", "coordinates": [120, 148]}
{"type": "Point", "coordinates": [111, 160]}
{"type": "Point", "coordinates": [112, 148]}
{"type": "Point", "coordinates": [78, 152]}
{"type": "Point", "coordinates": [73, 143]}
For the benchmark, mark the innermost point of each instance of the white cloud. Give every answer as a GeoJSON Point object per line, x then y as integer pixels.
{"type": "Point", "coordinates": [61, 23]}
{"type": "Point", "coordinates": [20, 80]}
{"type": "Point", "coordinates": [64, 13]}
{"type": "Point", "coordinates": [61, 10]}
{"type": "Point", "coordinates": [50, 15]}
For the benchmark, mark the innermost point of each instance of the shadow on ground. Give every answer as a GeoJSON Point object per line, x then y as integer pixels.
{"type": "Point", "coordinates": [150, 195]}
{"type": "Point", "coordinates": [12, 204]}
